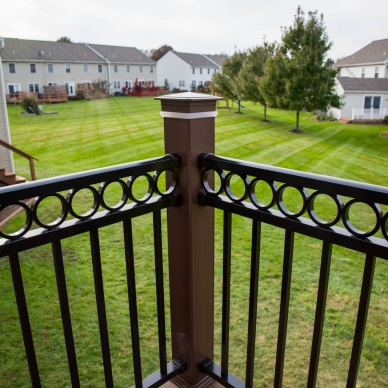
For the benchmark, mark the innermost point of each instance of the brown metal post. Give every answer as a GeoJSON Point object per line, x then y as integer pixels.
{"type": "Point", "coordinates": [189, 130]}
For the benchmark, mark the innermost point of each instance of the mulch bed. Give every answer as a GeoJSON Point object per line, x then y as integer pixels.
{"type": "Point", "coordinates": [385, 134]}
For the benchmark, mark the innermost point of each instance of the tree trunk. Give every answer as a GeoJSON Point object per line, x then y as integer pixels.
{"type": "Point", "coordinates": [297, 119]}
{"type": "Point", "coordinates": [265, 112]}
{"type": "Point", "coordinates": [239, 106]}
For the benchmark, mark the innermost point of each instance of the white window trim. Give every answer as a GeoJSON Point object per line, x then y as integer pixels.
{"type": "Point", "coordinates": [372, 95]}
{"type": "Point", "coordinates": [68, 72]}
{"type": "Point", "coordinates": [19, 87]}
{"type": "Point", "coordinates": [33, 86]}
{"type": "Point", "coordinates": [53, 83]}
{"type": "Point", "coordinates": [98, 68]}
{"type": "Point", "coordinates": [83, 68]}
{"type": "Point", "coordinates": [128, 68]}
{"type": "Point", "coordinates": [115, 68]}
{"type": "Point", "coordinates": [14, 66]}
{"type": "Point", "coordinates": [48, 68]}
{"type": "Point", "coordinates": [36, 69]}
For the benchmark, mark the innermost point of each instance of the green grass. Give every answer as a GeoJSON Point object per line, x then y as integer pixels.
{"type": "Point", "coordinates": [88, 135]}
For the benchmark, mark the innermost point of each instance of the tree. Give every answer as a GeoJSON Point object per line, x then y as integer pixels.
{"type": "Point", "coordinates": [64, 39]}
{"type": "Point", "coordinates": [252, 71]}
{"type": "Point", "coordinates": [227, 83]}
{"type": "Point", "coordinates": [300, 76]}
{"type": "Point", "coordinates": [158, 53]}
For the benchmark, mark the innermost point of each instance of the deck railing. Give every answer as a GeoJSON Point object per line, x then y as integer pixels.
{"type": "Point", "coordinates": [197, 183]}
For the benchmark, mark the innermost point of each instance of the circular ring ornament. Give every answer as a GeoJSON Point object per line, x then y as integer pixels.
{"type": "Point", "coordinates": [59, 220]}
{"type": "Point", "coordinates": [27, 225]}
{"type": "Point", "coordinates": [205, 181]}
{"type": "Point", "coordinates": [384, 226]}
{"type": "Point", "coordinates": [314, 216]}
{"type": "Point", "coordinates": [274, 188]}
{"type": "Point", "coordinates": [149, 192]}
{"type": "Point", "coordinates": [174, 181]}
{"type": "Point", "coordinates": [352, 229]}
{"type": "Point", "coordinates": [282, 207]}
{"type": "Point", "coordinates": [124, 197]}
{"type": "Point", "coordinates": [93, 209]}
{"type": "Point", "coordinates": [228, 190]}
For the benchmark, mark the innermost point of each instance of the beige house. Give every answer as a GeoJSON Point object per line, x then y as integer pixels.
{"type": "Point", "coordinates": [29, 65]}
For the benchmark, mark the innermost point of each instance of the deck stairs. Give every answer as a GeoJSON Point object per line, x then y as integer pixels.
{"type": "Point", "coordinates": [9, 178]}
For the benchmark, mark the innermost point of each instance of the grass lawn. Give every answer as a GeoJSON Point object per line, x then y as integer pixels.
{"type": "Point", "coordinates": [87, 135]}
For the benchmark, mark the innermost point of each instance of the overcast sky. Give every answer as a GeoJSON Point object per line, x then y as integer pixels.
{"type": "Point", "coordinates": [197, 26]}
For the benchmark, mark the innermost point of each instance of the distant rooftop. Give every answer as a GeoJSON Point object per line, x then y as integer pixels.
{"type": "Point", "coordinates": [375, 52]}
{"type": "Point", "coordinates": [363, 84]}
{"type": "Point", "coordinates": [200, 60]}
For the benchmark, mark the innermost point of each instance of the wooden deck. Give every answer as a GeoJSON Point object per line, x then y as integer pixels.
{"type": "Point", "coordinates": [41, 97]}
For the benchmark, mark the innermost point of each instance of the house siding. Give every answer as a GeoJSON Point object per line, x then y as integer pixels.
{"type": "Point", "coordinates": [356, 71]}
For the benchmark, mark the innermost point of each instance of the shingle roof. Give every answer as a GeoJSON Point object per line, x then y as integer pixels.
{"type": "Point", "coordinates": [27, 50]}
{"type": "Point", "coordinates": [219, 59]}
{"type": "Point", "coordinates": [117, 54]}
{"type": "Point", "coordinates": [196, 60]}
{"type": "Point", "coordinates": [363, 84]}
{"type": "Point", "coordinates": [375, 52]}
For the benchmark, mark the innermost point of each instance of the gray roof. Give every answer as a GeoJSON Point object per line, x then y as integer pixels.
{"type": "Point", "coordinates": [375, 52]}
{"type": "Point", "coordinates": [27, 50]}
{"type": "Point", "coordinates": [117, 54]}
{"type": "Point", "coordinates": [363, 84]}
{"type": "Point", "coordinates": [219, 59]}
{"type": "Point", "coordinates": [196, 60]}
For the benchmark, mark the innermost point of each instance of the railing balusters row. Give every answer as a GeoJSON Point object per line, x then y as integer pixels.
{"type": "Point", "coordinates": [320, 313]}
{"type": "Point", "coordinates": [101, 310]}
{"type": "Point", "coordinates": [65, 312]}
{"type": "Point", "coordinates": [24, 319]}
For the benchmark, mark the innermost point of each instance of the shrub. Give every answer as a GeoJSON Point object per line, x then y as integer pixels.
{"type": "Point", "coordinates": [386, 119]}
{"type": "Point", "coordinates": [30, 103]}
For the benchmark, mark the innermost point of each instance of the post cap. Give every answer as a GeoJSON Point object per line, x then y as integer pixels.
{"type": "Point", "coordinates": [189, 96]}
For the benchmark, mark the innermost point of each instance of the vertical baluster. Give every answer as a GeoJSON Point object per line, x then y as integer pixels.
{"type": "Point", "coordinates": [130, 266]}
{"type": "Point", "coordinates": [101, 310]}
{"type": "Point", "coordinates": [253, 296]}
{"type": "Point", "coordinates": [319, 313]}
{"type": "Point", "coordinates": [284, 304]}
{"type": "Point", "coordinates": [160, 291]}
{"type": "Point", "coordinates": [362, 316]}
{"type": "Point", "coordinates": [65, 312]}
{"type": "Point", "coordinates": [24, 319]}
{"type": "Point", "coordinates": [226, 293]}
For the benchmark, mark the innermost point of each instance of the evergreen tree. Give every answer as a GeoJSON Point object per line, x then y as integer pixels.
{"type": "Point", "coordinates": [300, 76]}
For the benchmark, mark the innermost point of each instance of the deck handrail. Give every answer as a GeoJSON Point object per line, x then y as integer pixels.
{"type": "Point", "coordinates": [23, 154]}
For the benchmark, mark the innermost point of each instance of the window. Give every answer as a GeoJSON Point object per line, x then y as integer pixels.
{"type": "Point", "coordinates": [128, 68]}
{"type": "Point", "coordinates": [52, 84]}
{"type": "Point", "coordinates": [116, 84]}
{"type": "Point", "coordinates": [14, 88]}
{"type": "Point", "coordinates": [193, 70]}
{"type": "Point", "coordinates": [12, 68]}
{"type": "Point", "coordinates": [208, 71]}
{"type": "Point", "coordinates": [115, 68]}
{"type": "Point", "coordinates": [140, 68]}
{"type": "Point", "coordinates": [182, 83]}
{"type": "Point", "coordinates": [128, 84]}
{"type": "Point", "coordinates": [194, 84]}
{"type": "Point", "coordinates": [363, 72]}
{"type": "Point", "coordinates": [377, 72]}
{"type": "Point", "coordinates": [200, 83]}
{"type": "Point", "coordinates": [32, 68]}
{"type": "Point", "coordinates": [67, 68]}
{"type": "Point", "coordinates": [372, 102]}
{"type": "Point", "coordinates": [200, 70]}
{"type": "Point", "coordinates": [99, 68]}
{"type": "Point", "coordinates": [151, 69]}
{"type": "Point", "coordinates": [50, 68]}
{"type": "Point", "coordinates": [34, 88]}
{"type": "Point", "coordinates": [85, 68]}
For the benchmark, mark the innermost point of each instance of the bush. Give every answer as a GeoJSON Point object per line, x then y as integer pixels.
{"type": "Point", "coordinates": [386, 119]}
{"type": "Point", "coordinates": [30, 104]}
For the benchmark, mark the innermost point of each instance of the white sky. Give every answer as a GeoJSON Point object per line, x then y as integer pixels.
{"type": "Point", "coordinates": [196, 26]}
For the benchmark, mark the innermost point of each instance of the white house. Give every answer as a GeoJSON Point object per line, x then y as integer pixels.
{"type": "Point", "coordinates": [369, 62]}
{"type": "Point", "coordinates": [363, 98]}
{"type": "Point", "coordinates": [187, 71]}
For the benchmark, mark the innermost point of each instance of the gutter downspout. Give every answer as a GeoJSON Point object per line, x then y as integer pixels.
{"type": "Point", "coordinates": [4, 104]}
{"type": "Point", "coordinates": [108, 65]}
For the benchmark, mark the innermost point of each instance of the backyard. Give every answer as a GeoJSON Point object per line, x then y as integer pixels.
{"type": "Point", "coordinates": [87, 135]}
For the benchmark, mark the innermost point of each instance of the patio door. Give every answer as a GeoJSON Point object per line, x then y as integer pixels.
{"type": "Point", "coordinates": [70, 88]}
{"type": "Point", "coordinates": [372, 102]}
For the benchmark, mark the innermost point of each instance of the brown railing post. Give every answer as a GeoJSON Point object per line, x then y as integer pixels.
{"type": "Point", "coordinates": [189, 131]}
